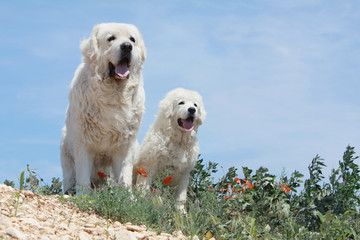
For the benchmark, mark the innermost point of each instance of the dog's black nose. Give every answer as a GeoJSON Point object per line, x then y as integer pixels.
{"type": "Point", "coordinates": [126, 47]}
{"type": "Point", "coordinates": [191, 110]}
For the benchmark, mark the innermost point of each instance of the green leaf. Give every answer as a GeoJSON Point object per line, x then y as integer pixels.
{"type": "Point", "coordinates": [321, 217]}
{"type": "Point", "coordinates": [253, 227]}
{"type": "Point", "coordinates": [22, 180]}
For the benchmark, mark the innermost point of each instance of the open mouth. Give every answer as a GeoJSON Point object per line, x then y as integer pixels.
{"type": "Point", "coordinates": [187, 124]}
{"type": "Point", "coordinates": [120, 70]}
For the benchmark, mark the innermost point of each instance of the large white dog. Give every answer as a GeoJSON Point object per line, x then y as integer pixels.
{"type": "Point", "coordinates": [171, 143]}
{"type": "Point", "coordinates": [106, 104]}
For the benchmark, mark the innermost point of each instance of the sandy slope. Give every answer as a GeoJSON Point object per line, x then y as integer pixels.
{"type": "Point", "coordinates": [45, 217]}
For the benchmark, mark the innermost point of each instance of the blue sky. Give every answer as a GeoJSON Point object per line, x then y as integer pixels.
{"type": "Point", "coordinates": [280, 79]}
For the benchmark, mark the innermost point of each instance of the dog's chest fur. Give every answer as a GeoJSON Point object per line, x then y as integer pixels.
{"type": "Point", "coordinates": [110, 115]}
{"type": "Point", "coordinates": [178, 153]}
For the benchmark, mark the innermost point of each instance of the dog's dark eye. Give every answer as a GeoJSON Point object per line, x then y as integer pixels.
{"type": "Point", "coordinates": [132, 39]}
{"type": "Point", "coordinates": [181, 103]}
{"type": "Point", "coordinates": [112, 38]}
{"type": "Point", "coordinates": [195, 104]}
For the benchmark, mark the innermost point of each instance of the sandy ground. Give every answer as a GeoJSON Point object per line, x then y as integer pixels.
{"type": "Point", "coordinates": [45, 217]}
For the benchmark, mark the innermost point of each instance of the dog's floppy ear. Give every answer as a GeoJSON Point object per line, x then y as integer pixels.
{"type": "Point", "coordinates": [143, 50]}
{"type": "Point", "coordinates": [89, 47]}
{"type": "Point", "coordinates": [166, 107]}
{"type": "Point", "coordinates": [141, 42]}
{"type": "Point", "coordinates": [202, 112]}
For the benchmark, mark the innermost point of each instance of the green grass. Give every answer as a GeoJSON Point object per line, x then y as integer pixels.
{"type": "Point", "coordinates": [254, 206]}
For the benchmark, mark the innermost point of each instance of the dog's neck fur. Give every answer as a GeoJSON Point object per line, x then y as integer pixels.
{"type": "Point", "coordinates": [115, 101]}
{"type": "Point", "coordinates": [114, 88]}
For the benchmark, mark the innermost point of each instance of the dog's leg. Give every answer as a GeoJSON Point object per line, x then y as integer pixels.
{"type": "Point", "coordinates": [182, 192]}
{"type": "Point", "coordinates": [83, 168]}
{"type": "Point", "coordinates": [67, 164]}
{"type": "Point", "coordinates": [122, 166]}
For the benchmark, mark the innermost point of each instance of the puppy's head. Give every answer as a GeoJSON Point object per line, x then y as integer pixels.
{"type": "Point", "coordinates": [184, 109]}
{"type": "Point", "coordinates": [116, 49]}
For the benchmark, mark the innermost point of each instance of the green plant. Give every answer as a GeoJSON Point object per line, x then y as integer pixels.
{"type": "Point", "coordinates": [345, 183]}
{"type": "Point", "coordinates": [16, 203]}
{"type": "Point", "coordinates": [17, 193]}
{"type": "Point", "coordinates": [30, 180]}
{"type": "Point", "coordinates": [255, 205]}
{"type": "Point", "coordinates": [312, 198]}
{"type": "Point", "coordinates": [201, 179]}
{"type": "Point", "coordinates": [153, 207]}
{"type": "Point", "coordinates": [332, 225]}
{"type": "Point", "coordinates": [9, 183]}
{"type": "Point", "coordinates": [53, 189]}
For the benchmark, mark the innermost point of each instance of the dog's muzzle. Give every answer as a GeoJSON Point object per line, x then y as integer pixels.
{"type": "Point", "coordinates": [188, 123]}
{"type": "Point", "coordinates": [121, 70]}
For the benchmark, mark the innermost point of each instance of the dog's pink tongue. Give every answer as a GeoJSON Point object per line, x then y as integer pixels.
{"type": "Point", "coordinates": [187, 124]}
{"type": "Point", "coordinates": [122, 70]}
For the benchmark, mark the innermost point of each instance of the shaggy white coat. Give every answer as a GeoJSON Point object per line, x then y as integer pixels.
{"type": "Point", "coordinates": [106, 104]}
{"type": "Point", "coordinates": [171, 143]}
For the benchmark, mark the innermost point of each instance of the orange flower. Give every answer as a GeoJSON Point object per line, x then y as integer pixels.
{"type": "Point", "coordinates": [284, 188]}
{"type": "Point", "coordinates": [167, 180]}
{"type": "Point", "coordinates": [227, 197]}
{"type": "Point", "coordinates": [141, 171]}
{"type": "Point", "coordinates": [248, 184]}
{"type": "Point", "coordinates": [211, 189]}
{"type": "Point", "coordinates": [237, 180]}
{"type": "Point", "coordinates": [101, 174]}
{"type": "Point", "coordinates": [236, 190]}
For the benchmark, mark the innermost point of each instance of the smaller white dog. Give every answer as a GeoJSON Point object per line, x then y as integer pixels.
{"type": "Point", "coordinates": [171, 142]}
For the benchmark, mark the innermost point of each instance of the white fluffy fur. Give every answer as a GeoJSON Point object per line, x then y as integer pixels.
{"type": "Point", "coordinates": [169, 147]}
{"type": "Point", "coordinates": [105, 111]}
